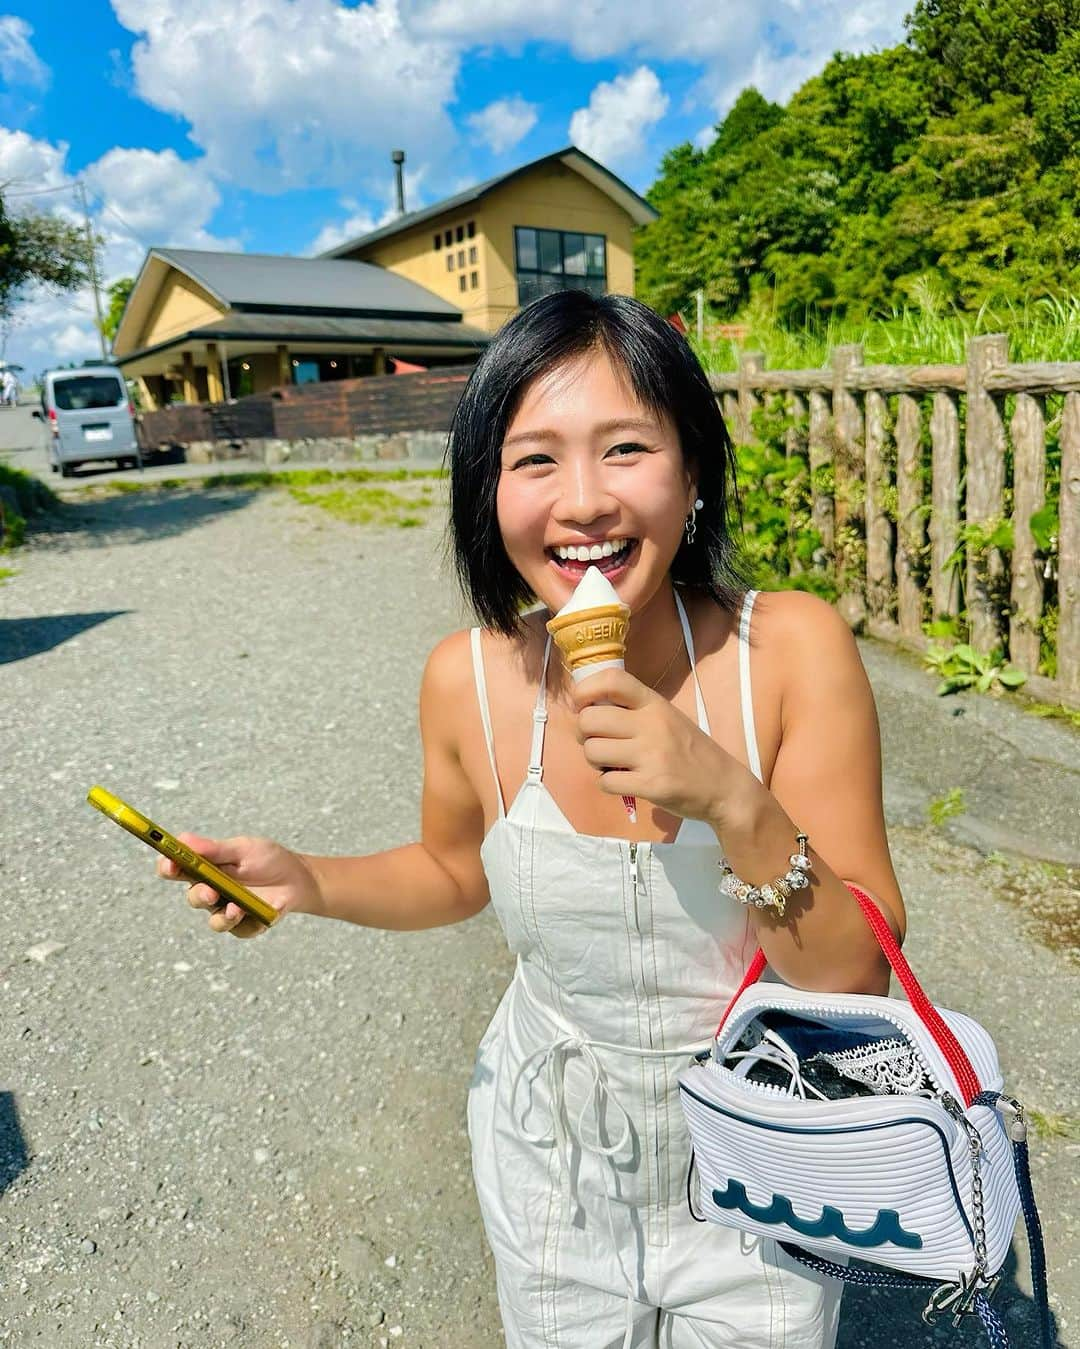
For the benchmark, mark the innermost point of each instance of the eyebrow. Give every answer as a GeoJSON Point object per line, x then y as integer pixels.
{"type": "Point", "coordinates": [601, 429]}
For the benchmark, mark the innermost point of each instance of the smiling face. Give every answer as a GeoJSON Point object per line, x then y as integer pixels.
{"type": "Point", "coordinates": [591, 476]}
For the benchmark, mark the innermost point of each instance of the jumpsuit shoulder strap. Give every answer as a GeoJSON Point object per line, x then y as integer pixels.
{"type": "Point", "coordinates": [746, 696]}
{"type": "Point", "coordinates": [485, 714]}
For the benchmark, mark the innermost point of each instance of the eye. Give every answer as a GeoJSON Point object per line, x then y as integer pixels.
{"type": "Point", "coordinates": [533, 459]}
{"type": "Point", "coordinates": [627, 447]}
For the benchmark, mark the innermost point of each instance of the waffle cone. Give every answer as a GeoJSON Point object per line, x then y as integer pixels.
{"type": "Point", "coordinates": [589, 636]}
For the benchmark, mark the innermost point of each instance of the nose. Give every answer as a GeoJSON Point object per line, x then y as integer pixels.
{"type": "Point", "coordinates": [584, 497]}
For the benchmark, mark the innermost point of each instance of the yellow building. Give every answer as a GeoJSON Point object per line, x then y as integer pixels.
{"type": "Point", "coordinates": [429, 288]}
{"type": "Point", "coordinates": [561, 222]}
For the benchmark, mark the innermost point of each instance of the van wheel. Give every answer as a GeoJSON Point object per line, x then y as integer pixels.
{"type": "Point", "coordinates": [66, 470]}
{"type": "Point", "coordinates": [53, 467]}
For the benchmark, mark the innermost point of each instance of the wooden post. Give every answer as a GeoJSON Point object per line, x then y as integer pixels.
{"type": "Point", "coordinates": [1068, 641]}
{"type": "Point", "coordinates": [849, 466]}
{"type": "Point", "coordinates": [794, 448]}
{"type": "Point", "coordinates": [984, 461]}
{"type": "Point", "coordinates": [944, 503]}
{"type": "Point", "coordinates": [910, 530]}
{"type": "Point", "coordinates": [191, 391]}
{"type": "Point", "coordinates": [378, 361]}
{"type": "Point", "coordinates": [879, 549]}
{"type": "Point", "coordinates": [214, 388]}
{"type": "Point", "coordinates": [730, 406]}
{"type": "Point", "coordinates": [284, 365]}
{"type": "Point", "coordinates": [819, 451]}
{"type": "Point", "coordinates": [1028, 429]}
{"type": "Point", "coordinates": [751, 363]}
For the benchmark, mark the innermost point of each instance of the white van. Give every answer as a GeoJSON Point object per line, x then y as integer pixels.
{"type": "Point", "coordinates": [89, 417]}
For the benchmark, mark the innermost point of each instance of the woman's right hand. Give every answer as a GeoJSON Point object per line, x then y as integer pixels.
{"type": "Point", "coordinates": [271, 871]}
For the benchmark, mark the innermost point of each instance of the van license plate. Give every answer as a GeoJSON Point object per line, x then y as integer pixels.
{"type": "Point", "coordinates": [97, 433]}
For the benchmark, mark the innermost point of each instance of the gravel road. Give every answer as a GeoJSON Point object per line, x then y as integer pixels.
{"type": "Point", "coordinates": [211, 1143]}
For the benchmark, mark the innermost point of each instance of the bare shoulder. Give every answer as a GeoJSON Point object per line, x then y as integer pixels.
{"type": "Point", "coordinates": [809, 640]}
{"type": "Point", "coordinates": [449, 665]}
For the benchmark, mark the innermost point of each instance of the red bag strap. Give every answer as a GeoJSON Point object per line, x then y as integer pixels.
{"type": "Point", "coordinates": [967, 1080]}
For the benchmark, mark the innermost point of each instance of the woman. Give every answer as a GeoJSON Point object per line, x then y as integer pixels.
{"type": "Point", "coordinates": [588, 435]}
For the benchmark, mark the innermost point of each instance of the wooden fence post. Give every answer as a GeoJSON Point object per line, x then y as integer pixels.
{"type": "Point", "coordinates": [1028, 429]}
{"type": "Point", "coordinates": [879, 550]}
{"type": "Point", "coordinates": [751, 363]}
{"type": "Point", "coordinates": [848, 464]}
{"type": "Point", "coordinates": [910, 528]}
{"type": "Point", "coordinates": [795, 448]}
{"type": "Point", "coordinates": [819, 452]}
{"type": "Point", "coordinates": [944, 503]}
{"type": "Point", "coordinates": [984, 459]}
{"type": "Point", "coordinates": [1068, 641]}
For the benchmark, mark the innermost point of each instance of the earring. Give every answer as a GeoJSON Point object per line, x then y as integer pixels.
{"type": "Point", "coordinates": [691, 520]}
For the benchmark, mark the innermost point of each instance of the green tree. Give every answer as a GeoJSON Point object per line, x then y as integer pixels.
{"type": "Point", "coordinates": [117, 294]}
{"type": "Point", "coordinates": [38, 247]}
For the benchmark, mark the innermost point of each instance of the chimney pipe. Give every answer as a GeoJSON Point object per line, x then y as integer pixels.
{"type": "Point", "coordinates": [398, 156]}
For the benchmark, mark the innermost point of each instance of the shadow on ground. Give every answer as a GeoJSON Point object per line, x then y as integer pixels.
{"type": "Point", "coordinates": [14, 1157]}
{"type": "Point", "coordinates": [872, 1318]}
{"type": "Point", "coordinates": [131, 517]}
{"type": "Point", "coordinates": [23, 637]}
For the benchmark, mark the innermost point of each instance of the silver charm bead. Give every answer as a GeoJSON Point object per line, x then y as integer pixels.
{"type": "Point", "coordinates": [800, 860]}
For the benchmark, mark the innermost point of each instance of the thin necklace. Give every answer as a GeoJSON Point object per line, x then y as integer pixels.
{"type": "Point", "coordinates": [674, 656]}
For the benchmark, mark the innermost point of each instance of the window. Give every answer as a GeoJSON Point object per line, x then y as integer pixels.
{"type": "Point", "coordinates": [461, 257]}
{"type": "Point", "coordinates": [449, 262]}
{"type": "Point", "coordinates": [470, 229]}
{"type": "Point", "coordinates": [448, 238]}
{"type": "Point", "coordinates": [460, 233]}
{"type": "Point", "coordinates": [473, 254]}
{"type": "Point", "coordinates": [474, 280]}
{"type": "Point", "coordinates": [551, 260]}
{"type": "Point", "coordinates": [461, 281]}
{"type": "Point", "coordinates": [438, 242]}
{"type": "Point", "coordinates": [82, 393]}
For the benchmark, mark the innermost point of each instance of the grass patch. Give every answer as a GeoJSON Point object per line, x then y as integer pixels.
{"type": "Point", "coordinates": [259, 478]}
{"type": "Point", "coordinates": [1057, 712]}
{"type": "Point", "coordinates": [6, 574]}
{"type": "Point", "coordinates": [21, 496]}
{"type": "Point", "coordinates": [367, 505]}
{"type": "Point", "coordinates": [942, 808]}
{"type": "Point", "coordinates": [1048, 893]}
{"type": "Point", "coordinates": [1051, 1124]}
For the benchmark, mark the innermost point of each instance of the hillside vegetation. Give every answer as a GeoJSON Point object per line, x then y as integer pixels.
{"type": "Point", "coordinates": [940, 176]}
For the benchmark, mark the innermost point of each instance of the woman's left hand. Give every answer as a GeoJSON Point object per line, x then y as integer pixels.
{"type": "Point", "coordinates": [642, 746]}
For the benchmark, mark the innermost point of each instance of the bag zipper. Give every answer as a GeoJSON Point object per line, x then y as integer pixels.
{"type": "Point", "coordinates": [769, 1088]}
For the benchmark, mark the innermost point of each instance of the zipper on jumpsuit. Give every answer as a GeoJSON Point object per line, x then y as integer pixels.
{"type": "Point", "coordinates": [654, 1216]}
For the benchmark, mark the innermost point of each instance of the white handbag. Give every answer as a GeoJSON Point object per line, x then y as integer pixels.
{"type": "Point", "coordinates": [848, 1126]}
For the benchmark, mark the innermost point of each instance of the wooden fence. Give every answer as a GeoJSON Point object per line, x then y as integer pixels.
{"type": "Point", "coordinates": [341, 409]}
{"type": "Point", "coordinates": [926, 460]}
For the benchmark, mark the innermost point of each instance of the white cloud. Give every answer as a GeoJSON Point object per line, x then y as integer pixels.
{"type": "Point", "coordinates": [363, 221]}
{"type": "Point", "coordinates": [19, 63]}
{"type": "Point", "coordinates": [612, 128]}
{"type": "Point", "coordinates": [502, 124]}
{"type": "Point", "coordinates": [138, 198]}
{"type": "Point", "coordinates": [772, 43]}
{"type": "Point", "coordinates": [282, 95]}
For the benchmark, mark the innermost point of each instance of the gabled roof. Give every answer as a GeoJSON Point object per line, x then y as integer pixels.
{"type": "Point", "coordinates": [636, 207]}
{"type": "Point", "coordinates": [274, 284]}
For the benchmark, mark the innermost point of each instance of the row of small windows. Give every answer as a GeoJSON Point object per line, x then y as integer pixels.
{"type": "Point", "coordinates": [461, 258]}
{"type": "Point", "coordinates": [474, 281]}
{"type": "Point", "coordinates": [447, 238]}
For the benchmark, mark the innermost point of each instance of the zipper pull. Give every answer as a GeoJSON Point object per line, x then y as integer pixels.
{"type": "Point", "coordinates": [633, 867]}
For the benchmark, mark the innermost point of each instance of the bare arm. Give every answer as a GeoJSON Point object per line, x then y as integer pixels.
{"type": "Point", "coordinates": [439, 880]}
{"type": "Point", "coordinates": [827, 783]}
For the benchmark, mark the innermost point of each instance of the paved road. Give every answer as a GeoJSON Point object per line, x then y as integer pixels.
{"type": "Point", "coordinates": [206, 1142]}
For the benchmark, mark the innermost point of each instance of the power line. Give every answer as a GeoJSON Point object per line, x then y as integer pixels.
{"type": "Point", "coordinates": [41, 191]}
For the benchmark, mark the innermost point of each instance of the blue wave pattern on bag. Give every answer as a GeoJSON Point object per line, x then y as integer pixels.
{"type": "Point", "coordinates": [885, 1227]}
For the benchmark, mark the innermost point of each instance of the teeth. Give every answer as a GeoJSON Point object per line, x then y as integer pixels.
{"type": "Point", "coordinates": [592, 553]}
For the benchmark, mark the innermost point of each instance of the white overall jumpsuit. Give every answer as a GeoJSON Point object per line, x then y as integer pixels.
{"type": "Point", "coordinates": [626, 956]}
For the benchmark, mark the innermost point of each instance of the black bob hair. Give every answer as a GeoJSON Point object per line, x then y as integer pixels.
{"type": "Point", "coordinates": [667, 379]}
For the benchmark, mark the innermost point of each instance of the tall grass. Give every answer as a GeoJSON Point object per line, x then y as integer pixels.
{"type": "Point", "coordinates": [927, 332]}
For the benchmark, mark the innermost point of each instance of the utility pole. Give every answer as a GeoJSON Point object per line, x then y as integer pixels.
{"type": "Point", "coordinates": [91, 262]}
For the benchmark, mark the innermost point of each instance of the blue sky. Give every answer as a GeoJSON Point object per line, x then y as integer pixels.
{"type": "Point", "coordinates": [267, 126]}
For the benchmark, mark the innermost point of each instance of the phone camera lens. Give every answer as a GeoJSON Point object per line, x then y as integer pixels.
{"type": "Point", "coordinates": [155, 834]}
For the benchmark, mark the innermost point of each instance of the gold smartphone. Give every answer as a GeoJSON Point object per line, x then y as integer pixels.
{"type": "Point", "coordinates": [191, 863]}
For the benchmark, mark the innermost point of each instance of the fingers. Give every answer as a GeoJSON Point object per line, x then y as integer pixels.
{"type": "Point", "coordinates": [614, 723]}
{"type": "Point", "coordinates": [603, 753]}
{"type": "Point", "coordinates": [610, 686]}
